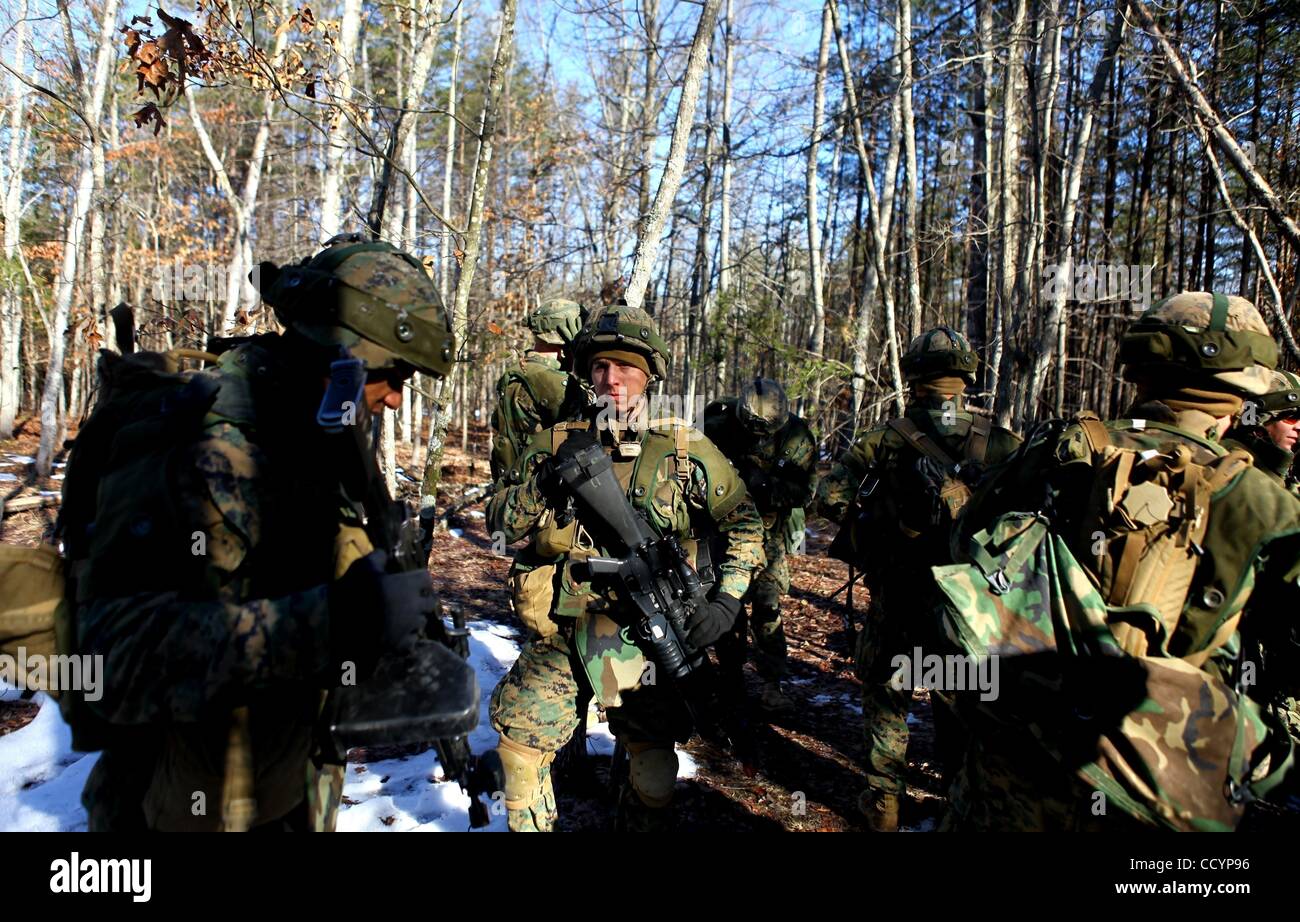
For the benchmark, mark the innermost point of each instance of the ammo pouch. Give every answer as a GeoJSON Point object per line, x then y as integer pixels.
{"type": "Point", "coordinates": [32, 604]}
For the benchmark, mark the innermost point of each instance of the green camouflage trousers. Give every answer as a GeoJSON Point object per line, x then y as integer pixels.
{"type": "Point", "coordinates": [884, 707]}
{"type": "Point", "coordinates": [766, 589]}
{"type": "Point", "coordinates": [537, 705]}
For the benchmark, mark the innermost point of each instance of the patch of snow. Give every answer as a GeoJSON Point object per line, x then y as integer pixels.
{"type": "Point", "coordinates": [476, 514]}
{"type": "Point", "coordinates": [40, 776]}
{"type": "Point", "coordinates": [456, 532]}
{"type": "Point", "coordinates": [7, 478]}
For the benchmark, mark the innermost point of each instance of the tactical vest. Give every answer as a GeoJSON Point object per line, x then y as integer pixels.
{"type": "Point", "coordinates": [656, 482]}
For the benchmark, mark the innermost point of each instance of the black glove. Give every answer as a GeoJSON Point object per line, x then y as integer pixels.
{"type": "Point", "coordinates": [372, 611]}
{"type": "Point", "coordinates": [759, 487]}
{"type": "Point", "coordinates": [547, 474]}
{"type": "Point", "coordinates": [708, 623]}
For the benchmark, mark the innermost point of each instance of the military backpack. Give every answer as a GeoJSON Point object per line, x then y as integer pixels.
{"type": "Point", "coordinates": [1081, 618]}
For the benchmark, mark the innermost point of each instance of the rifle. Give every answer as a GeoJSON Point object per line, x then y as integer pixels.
{"type": "Point", "coordinates": [654, 579]}
{"type": "Point", "coordinates": [841, 548]}
{"type": "Point", "coordinates": [431, 693]}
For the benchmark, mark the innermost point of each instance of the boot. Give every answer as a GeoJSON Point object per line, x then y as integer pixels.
{"type": "Point", "coordinates": [880, 810]}
{"type": "Point", "coordinates": [773, 698]}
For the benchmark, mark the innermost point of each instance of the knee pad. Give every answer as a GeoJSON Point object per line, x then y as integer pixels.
{"type": "Point", "coordinates": [652, 772]}
{"type": "Point", "coordinates": [522, 766]}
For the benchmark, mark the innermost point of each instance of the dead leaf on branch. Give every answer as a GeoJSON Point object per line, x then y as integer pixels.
{"type": "Point", "coordinates": [149, 113]}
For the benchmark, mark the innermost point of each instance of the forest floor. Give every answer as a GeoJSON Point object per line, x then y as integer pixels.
{"type": "Point", "coordinates": [807, 772]}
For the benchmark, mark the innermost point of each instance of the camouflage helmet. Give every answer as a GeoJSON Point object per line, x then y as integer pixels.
{"type": "Point", "coordinates": [556, 321]}
{"type": "Point", "coordinates": [621, 328]}
{"type": "Point", "coordinates": [938, 352]}
{"type": "Point", "coordinates": [763, 407]}
{"type": "Point", "coordinates": [367, 296]}
{"type": "Point", "coordinates": [1222, 338]}
{"type": "Point", "coordinates": [1282, 398]}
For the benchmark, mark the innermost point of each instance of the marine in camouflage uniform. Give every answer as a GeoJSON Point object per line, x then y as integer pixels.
{"type": "Point", "coordinates": [1195, 357]}
{"type": "Point", "coordinates": [776, 455]}
{"type": "Point", "coordinates": [227, 590]}
{"type": "Point", "coordinates": [532, 392]}
{"type": "Point", "coordinates": [1267, 427]}
{"type": "Point", "coordinates": [683, 485]}
{"type": "Point", "coordinates": [898, 531]}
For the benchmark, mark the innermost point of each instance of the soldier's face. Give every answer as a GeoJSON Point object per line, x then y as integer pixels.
{"type": "Point", "coordinates": [619, 382]}
{"type": "Point", "coordinates": [380, 394]}
{"type": "Point", "coordinates": [1283, 431]}
{"type": "Point", "coordinates": [384, 387]}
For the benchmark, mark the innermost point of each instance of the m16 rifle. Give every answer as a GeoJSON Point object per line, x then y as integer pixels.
{"type": "Point", "coordinates": [653, 577]}
{"type": "Point", "coordinates": [429, 693]}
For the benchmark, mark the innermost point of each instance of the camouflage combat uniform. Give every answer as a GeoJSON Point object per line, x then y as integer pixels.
{"type": "Point", "coordinates": [1250, 435]}
{"type": "Point", "coordinates": [896, 538]}
{"type": "Point", "coordinates": [218, 653]}
{"type": "Point", "coordinates": [683, 485]}
{"type": "Point", "coordinates": [778, 466]}
{"type": "Point", "coordinates": [531, 393]}
{"type": "Point", "coordinates": [1245, 576]}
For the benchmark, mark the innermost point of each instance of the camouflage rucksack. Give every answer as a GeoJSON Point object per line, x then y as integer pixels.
{"type": "Point", "coordinates": [145, 408]}
{"type": "Point", "coordinates": [547, 387]}
{"type": "Point", "coordinates": [1083, 639]}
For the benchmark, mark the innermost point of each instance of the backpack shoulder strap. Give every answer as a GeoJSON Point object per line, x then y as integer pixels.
{"type": "Point", "coordinates": [1094, 431]}
{"type": "Point", "coordinates": [560, 432]}
{"type": "Point", "coordinates": [920, 441]}
{"type": "Point", "coordinates": [977, 441]}
{"type": "Point", "coordinates": [681, 450]}
{"type": "Point", "coordinates": [1226, 469]}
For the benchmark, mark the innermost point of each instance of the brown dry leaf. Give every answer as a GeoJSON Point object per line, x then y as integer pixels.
{"type": "Point", "coordinates": [149, 113]}
{"type": "Point", "coordinates": [286, 25]}
{"type": "Point", "coordinates": [308, 18]}
{"type": "Point", "coordinates": [460, 256]}
{"type": "Point", "coordinates": [494, 329]}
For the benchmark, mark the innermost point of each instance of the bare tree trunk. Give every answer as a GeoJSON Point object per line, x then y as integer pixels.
{"type": "Point", "coordinates": [1049, 334]}
{"type": "Point", "coordinates": [11, 301]}
{"type": "Point", "coordinates": [243, 205]}
{"type": "Point", "coordinates": [817, 339]}
{"type": "Point", "coordinates": [491, 106]}
{"type": "Point", "coordinates": [911, 245]}
{"type": "Point", "coordinates": [91, 93]}
{"type": "Point", "coordinates": [1218, 129]}
{"type": "Point", "coordinates": [877, 228]}
{"type": "Point", "coordinates": [1009, 218]}
{"type": "Point", "coordinates": [412, 92]}
{"type": "Point", "coordinates": [446, 267]}
{"type": "Point", "coordinates": [1275, 307]}
{"type": "Point", "coordinates": [724, 233]}
{"type": "Point", "coordinates": [336, 146]}
{"type": "Point", "coordinates": [977, 224]}
{"type": "Point", "coordinates": [649, 113]}
{"type": "Point", "coordinates": [647, 245]}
